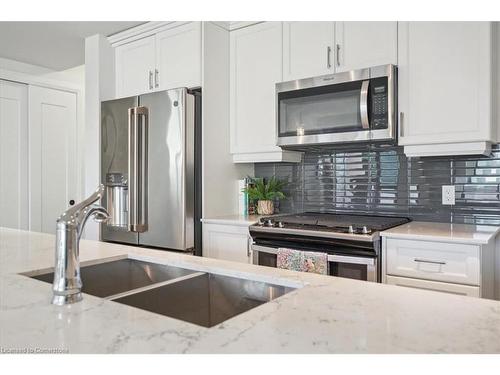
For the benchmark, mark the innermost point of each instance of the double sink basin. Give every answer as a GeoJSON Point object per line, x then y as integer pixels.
{"type": "Point", "coordinates": [202, 298]}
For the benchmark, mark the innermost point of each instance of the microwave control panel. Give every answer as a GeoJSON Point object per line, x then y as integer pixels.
{"type": "Point", "coordinates": [379, 103]}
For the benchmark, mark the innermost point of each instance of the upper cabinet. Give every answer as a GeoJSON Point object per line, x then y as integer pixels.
{"type": "Point", "coordinates": [178, 57]}
{"type": "Point", "coordinates": [255, 68]}
{"type": "Point", "coordinates": [317, 48]}
{"type": "Point", "coordinates": [165, 60]}
{"type": "Point", "coordinates": [445, 87]}
{"type": "Point", "coordinates": [307, 49]}
{"type": "Point", "coordinates": [364, 44]}
{"type": "Point", "coordinates": [135, 65]}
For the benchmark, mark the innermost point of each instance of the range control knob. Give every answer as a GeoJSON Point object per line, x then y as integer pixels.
{"type": "Point", "coordinates": [270, 222]}
{"type": "Point", "coordinates": [261, 222]}
{"type": "Point", "coordinates": [365, 230]}
{"type": "Point", "coordinates": [281, 224]}
{"type": "Point", "coordinates": [351, 229]}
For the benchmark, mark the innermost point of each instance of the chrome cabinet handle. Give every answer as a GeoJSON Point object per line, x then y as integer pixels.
{"type": "Point", "coordinates": [338, 54]}
{"type": "Point", "coordinates": [401, 119]}
{"type": "Point", "coordinates": [429, 261]}
{"type": "Point", "coordinates": [151, 80]}
{"type": "Point", "coordinates": [138, 169]}
{"type": "Point", "coordinates": [249, 243]}
{"type": "Point", "coordinates": [328, 57]}
{"type": "Point", "coordinates": [157, 79]}
{"type": "Point", "coordinates": [363, 105]}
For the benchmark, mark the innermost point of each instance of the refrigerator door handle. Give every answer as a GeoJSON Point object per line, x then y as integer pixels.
{"type": "Point", "coordinates": [138, 119]}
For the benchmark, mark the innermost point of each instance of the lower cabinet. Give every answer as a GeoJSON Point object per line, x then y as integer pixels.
{"type": "Point", "coordinates": [227, 242]}
{"type": "Point", "coordinates": [466, 290]}
{"type": "Point", "coordinates": [448, 267]}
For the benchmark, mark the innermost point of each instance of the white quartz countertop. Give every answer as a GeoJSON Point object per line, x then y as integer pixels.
{"type": "Point", "coordinates": [443, 232]}
{"type": "Point", "coordinates": [325, 315]}
{"type": "Point", "coordinates": [239, 220]}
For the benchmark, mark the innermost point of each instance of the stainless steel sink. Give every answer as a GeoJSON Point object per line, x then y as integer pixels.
{"type": "Point", "coordinates": [205, 299]}
{"type": "Point", "coordinates": [201, 298]}
{"type": "Point", "coordinates": [119, 276]}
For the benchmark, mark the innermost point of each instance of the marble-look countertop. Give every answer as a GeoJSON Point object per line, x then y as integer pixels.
{"type": "Point", "coordinates": [443, 232]}
{"type": "Point", "coordinates": [239, 220]}
{"type": "Point", "coordinates": [325, 315]}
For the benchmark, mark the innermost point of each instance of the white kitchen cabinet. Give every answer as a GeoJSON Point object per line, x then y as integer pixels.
{"type": "Point", "coordinates": [178, 57]}
{"type": "Point", "coordinates": [317, 48]}
{"type": "Point", "coordinates": [445, 87]}
{"type": "Point", "coordinates": [167, 59]}
{"type": "Point", "coordinates": [135, 67]}
{"type": "Point", "coordinates": [364, 44]}
{"type": "Point", "coordinates": [307, 49]}
{"type": "Point", "coordinates": [53, 155]}
{"type": "Point", "coordinates": [227, 242]}
{"type": "Point", "coordinates": [255, 68]}
{"type": "Point", "coordinates": [14, 208]}
{"type": "Point", "coordinates": [451, 267]}
{"type": "Point", "coordinates": [465, 290]}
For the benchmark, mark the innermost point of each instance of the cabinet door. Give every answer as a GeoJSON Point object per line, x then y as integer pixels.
{"type": "Point", "coordinates": [364, 44]}
{"type": "Point", "coordinates": [135, 65]}
{"type": "Point", "coordinates": [307, 49]}
{"type": "Point", "coordinates": [13, 155]}
{"type": "Point", "coordinates": [178, 57]}
{"type": "Point", "coordinates": [465, 290]}
{"type": "Point", "coordinates": [445, 82]}
{"type": "Point", "coordinates": [53, 146]}
{"type": "Point", "coordinates": [255, 68]}
{"type": "Point", "coordinates": [226, 242]}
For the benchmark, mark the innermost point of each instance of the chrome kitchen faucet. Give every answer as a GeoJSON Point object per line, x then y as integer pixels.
{"type": "Point", "coordinates": [67, 286]}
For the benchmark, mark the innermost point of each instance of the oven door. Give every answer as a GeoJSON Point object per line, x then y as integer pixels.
{"type": "Point", "coordinates": [345, 107]}
{"type": "Point", "coordinates": [352, 267]}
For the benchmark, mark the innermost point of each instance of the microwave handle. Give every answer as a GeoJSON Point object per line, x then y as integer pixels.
{"type": "Point", "coordinates": [363, 105]}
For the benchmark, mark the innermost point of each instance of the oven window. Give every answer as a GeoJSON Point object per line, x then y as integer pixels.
{"type": "Point", "coordinates": [319, 110]}
{"type": "Point", "coordinates": [349, 270]}
{"type": "Point", "coordinates": [266, 259]}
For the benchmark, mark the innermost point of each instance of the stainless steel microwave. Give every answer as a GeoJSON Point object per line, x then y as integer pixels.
{"type": "Point", "coordinates": [358, 105]}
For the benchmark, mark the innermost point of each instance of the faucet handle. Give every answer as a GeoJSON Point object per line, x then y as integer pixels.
{"type": "Point", "coordinates": [101, 217]}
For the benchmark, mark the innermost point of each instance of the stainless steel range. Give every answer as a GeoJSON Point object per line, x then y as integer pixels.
{"type": "Point", "coordinates": [352, 242]}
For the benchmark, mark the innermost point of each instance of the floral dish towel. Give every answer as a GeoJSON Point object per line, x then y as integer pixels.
{"type": "Point", "coordinates": [305, 261]}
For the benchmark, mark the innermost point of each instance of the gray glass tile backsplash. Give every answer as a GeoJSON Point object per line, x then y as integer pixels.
{"type": "Point", "coordinates": [377, 179]}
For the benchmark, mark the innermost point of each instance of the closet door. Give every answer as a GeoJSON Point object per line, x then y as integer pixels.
{"type": "Point", "coordinates": [53, 155]}
{"type": "Point", "coordinates": [13, 155]}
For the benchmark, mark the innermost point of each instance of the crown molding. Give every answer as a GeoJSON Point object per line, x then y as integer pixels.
{"type": "Point", "coordinates": [153, 27]}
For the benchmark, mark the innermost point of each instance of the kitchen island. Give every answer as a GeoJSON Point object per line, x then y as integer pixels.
{"type": "Point", "coordinates": [322, 315]}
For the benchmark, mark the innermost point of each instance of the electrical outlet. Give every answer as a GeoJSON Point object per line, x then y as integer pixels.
{"type": "Point", "coordinates": [448, 195]}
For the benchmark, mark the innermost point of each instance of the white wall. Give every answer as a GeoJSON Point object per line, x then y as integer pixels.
{"type": "Point", "coordinates": [99, 84]}
{"type": "Point", "coordinates": [220, 174]}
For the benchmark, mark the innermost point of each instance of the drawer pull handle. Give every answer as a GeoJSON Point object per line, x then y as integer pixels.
{"type": "Point", "coordinates": [428, 261]}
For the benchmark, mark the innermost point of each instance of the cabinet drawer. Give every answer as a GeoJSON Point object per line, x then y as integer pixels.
{"type": "Point", "coordinates": [465, 290]}
{"type": "Point", "coordinates": [448, 262]}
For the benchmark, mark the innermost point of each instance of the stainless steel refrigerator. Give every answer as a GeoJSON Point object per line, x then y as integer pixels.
{"type": "Point", "coordinates": [150, 167]}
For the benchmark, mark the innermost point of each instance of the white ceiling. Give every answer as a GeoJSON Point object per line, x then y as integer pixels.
{"type": "Point", "coordinates": [53, 45]}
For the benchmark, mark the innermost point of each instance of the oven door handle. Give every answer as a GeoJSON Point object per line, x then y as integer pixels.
{"type": "Point", "coordinates": [363, 105]}
{"type": "Point", "coordinates": [331, 258]}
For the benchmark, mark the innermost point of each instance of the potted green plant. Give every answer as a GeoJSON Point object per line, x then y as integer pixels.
{"type": "Point", "coordinates": [265, 192]}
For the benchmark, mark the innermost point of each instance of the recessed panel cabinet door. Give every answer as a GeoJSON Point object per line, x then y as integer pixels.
{"type": "Point", "coordinates": [53, 155]}
{"type": "Point", "coordinates": [227, 242]}
{"type": "Point", "coordinates": [13, 155]}
{"type": "Point", "coordinates": [178, 57]}
{"type": "Point", "coordinates": [361, 45]}
{"type": "Point", "coordinates": [255, 68]}
{"type": "Point", "coordinates": [307, 49]}
{"type": "Point", "coordinates": [135, 67]}
{"type": "Point", "coordinates": [445, 81]}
